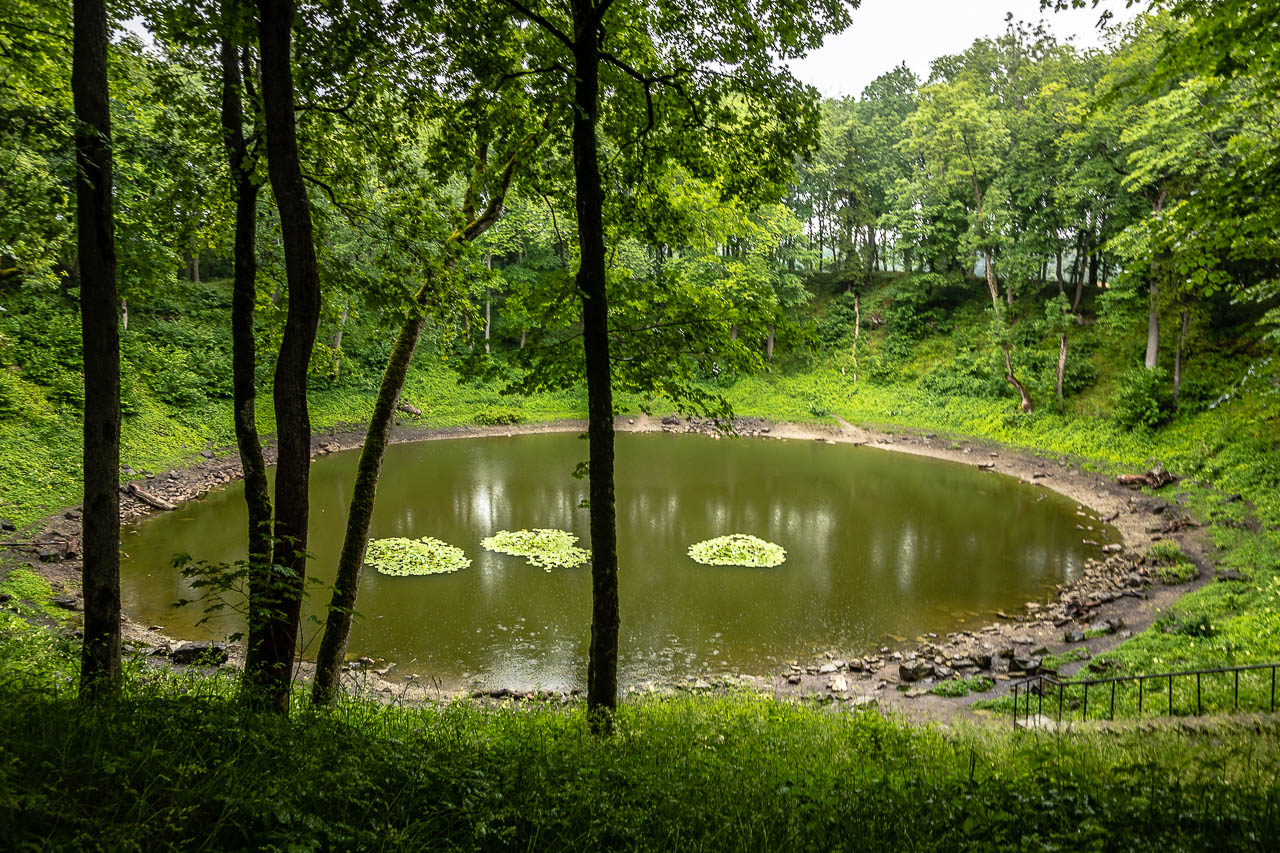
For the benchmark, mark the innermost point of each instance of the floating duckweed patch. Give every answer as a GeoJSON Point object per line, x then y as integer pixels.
{"type": "Point", "coordinates": [542, 547]}
{"type": "Point", "coordinates": [410, 557]}
{"type": "Point", "coordinates": [738, 549]}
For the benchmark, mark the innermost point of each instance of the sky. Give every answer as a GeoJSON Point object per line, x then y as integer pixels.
{"type": "Point", "coordinates": [885, 33]}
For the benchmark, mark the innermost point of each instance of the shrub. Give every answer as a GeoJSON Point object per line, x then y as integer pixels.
{"type": "Point", "coordinates": [1144, 399]}
{"type": "Point", "coordinates": [1168, 563]}
{"type": "Point", "coordinates": [957, 687]}
{"type": "Point", "coordinates": [497, 417]}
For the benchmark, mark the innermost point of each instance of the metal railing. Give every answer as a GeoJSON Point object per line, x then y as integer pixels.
{"type": "Point", "coordinates": [1038, 684]}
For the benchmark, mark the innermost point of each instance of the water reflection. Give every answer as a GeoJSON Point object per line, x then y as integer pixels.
{"type": "Point", "coordinates": [878, 544]}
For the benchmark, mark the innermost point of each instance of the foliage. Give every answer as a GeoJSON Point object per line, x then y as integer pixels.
{"type": "Point", "coordinates": [1143, 400]}
{"type": "Point", "coordinates": [411, 557]}
{"type": "Point", "coordinates": [546, 548]}
{"type": "Point", "coordinates": [738, 549]}
{"type": "Point", "coordinates": [957, 687]}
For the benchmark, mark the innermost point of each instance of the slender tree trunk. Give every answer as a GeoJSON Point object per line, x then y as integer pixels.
{"type": "Point", "coordinates": [488, 318]}
{"type": "Point", "coordinates": [1006, 346]}
{"type": "Point", "coordinates": [1062, 363]}
{"type": "Point", "coordinates": [523, 334]}
{"type": "Point", "coordinates": [768, 342]}
{"type": "Point", "coordinates": [1058, 270]}
{"type": "Point", "coordinates": [276, 631]}
{"type": "Point", "coordinates": [100, 337]}
{"type": "Point", "coordinates": [124, 314]}
{"type": "Point", "coordinates": [337, 341]}
{"type": "Point", "coordinates": [857, 332]}
{"type": "Point", "coordinates": [195, 267]}
{"type": "Point", "coordinates": [1177, 356]}
{"type": "Point", "coordinates": [1153, 325]}
{"type": "Point", "coordinates": [602, 669]}
{"type": "Point", "coordinates": [337, 631]}
{"type": "Point", "coordinates": [244, 358]}
{"type": "Point", "coordinates": [733, 331]}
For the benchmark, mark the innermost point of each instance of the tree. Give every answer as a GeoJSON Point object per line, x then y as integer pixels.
{"type": "Point", "coordinates": [677, 77]}
{"type": "Point", "coordinates": [100, 663]}
{"type": "Point", "coordinates": [274, 619]}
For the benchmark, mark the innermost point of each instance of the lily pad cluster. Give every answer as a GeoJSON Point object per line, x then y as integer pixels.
{"type": "Point", "coordinates": [738, 549]}
{"type": "Point", "coordinates": [546, 548]}
{"type": "Point", "coordinates": [409, 557]}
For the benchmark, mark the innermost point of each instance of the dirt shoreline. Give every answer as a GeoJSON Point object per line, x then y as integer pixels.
{"type": "Point", "coordinates": [857, 677]}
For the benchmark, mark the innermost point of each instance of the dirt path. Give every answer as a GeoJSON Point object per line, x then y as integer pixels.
{"type": "Point", "coordinates": [1107, 594]}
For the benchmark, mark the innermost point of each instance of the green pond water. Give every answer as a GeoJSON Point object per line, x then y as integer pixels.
{"type": "Point", "coordinates": [880, 547]}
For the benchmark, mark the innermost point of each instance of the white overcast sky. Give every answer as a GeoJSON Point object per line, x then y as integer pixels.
{"type": "Point", "coordinates": [885, 33]}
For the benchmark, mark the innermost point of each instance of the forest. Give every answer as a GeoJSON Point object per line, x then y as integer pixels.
{"type": "Point", "coordinates": [238, 238]}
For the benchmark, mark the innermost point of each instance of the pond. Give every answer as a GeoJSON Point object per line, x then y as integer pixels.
{"type": "Point", "coordinates": [881, 547]}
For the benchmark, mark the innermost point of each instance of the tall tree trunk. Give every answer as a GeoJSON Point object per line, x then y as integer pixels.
{"type": "Point", "coordinates": [195, 266]}
{"type": "Point", "coordinates": [336, 344]}
{"type": "Point", "coordinates": [768, 342]}
{"type": "Point", "coordinates": [337, 631]}
{"type": "Point", "coordinates": [1006, 346]}
{"type": "Point", "coordinates": [488, 318]}
{"type": "Point", "coordinates": [100, 337]}
{"type": "Point", "coordinates": [524, 333]}
{"type": "Point", "coordinates": [857, 332]}
{"type": "Point", "coordinates": [1177, 356]}
{"type": "Point", "coordinates": [733, 331]}
{"type": "Point", "coordinates": [602, 668]}
{"type": "Point", "coordinates": [1062, 362]}
{"type": "Point", "coordinates": [1153, 325]}
{"type": "Point", "coordinates": [124, 314]}
{"type": "Point", "coordinates": [244, 358]}
{"type": "Point", "coordinates": [276, 631]}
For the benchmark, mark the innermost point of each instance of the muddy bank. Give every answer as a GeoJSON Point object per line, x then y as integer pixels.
{"type": "Point", "coordinates": [1109, 600]}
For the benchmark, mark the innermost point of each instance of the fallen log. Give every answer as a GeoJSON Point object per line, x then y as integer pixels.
{"type": "Point", "coordinates": [408, 409]}
{"type": "Point", "coordinates": [146, 497]}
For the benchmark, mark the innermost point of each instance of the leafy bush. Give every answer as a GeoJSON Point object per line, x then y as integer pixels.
{"type": "Point", "coordinates": [497, 417]}
{"type": "Point", "coordinates": [1169, 564]}
{"type": "Point", "coordinates": [1144, 399]}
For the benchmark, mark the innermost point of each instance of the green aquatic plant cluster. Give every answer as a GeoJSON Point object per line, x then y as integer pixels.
{"type": "Point", "coordinates": [411, 557]}
{"type": "Point", "coordinates": [738, 549]}
{"type": "Point", "coordinates": [546, 548]}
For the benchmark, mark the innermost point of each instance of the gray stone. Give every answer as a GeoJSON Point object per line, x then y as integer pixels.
{"type": "Point", "coordinates": [914, 670]}
{"type": "Point", "coordinates": [827, 669]}
{"type": "Point", "coordinates": [207, 454]}
{"type": "Point", "coordinates": [1027, 665]}
{"type": "Point", "coordinates": [205, 653]}
{"type": "Point", "coordinates": [982, 659]}
{"type": "Point", "coordinates": [66, 602]}
{"type": "Point", "coordinates": [671, 420]}
{"type": "Point", "coordinates": [1039, 651]}
{"type": "Point", "coordinates": [838, 683]}
{"type": "Point", "coordinates": [7, 526]}
{"type": "Point", "coordinates": [793, 678]}
{"type": "Point", "coordinates": [943, 671]}
{"type": "Point", "coordinates": [1073, 636]}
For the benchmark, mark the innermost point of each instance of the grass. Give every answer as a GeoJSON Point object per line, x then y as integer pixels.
{"type": "Point", "coordinates": [177, 762]}
{"type": "Point", "coordinates": [957, 687]}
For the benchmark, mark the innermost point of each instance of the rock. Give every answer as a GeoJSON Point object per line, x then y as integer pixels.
{"type": "Point", "coordinates": [204, 653]}
{"type": "Point", "coordinates": [671, 420]}
{"type": "Point", "coordinates": [1022, 640]}
{"type": "Point", "coordinates": [916, 692]}
{"type": "Point", "coordinates": [1073, 636]}
{"type": "Point", "coordinates": [867, 702]}
{"type": "Point", "coordinates": [914, 670]}
{"type": "Point", "coordinates": [72, 515]}
{"type": "Point", "coordinates": [1229, 575]}
{"type": "Point", "coordinates": [793, 678]}
{"type": "Point", "coordinates": [1008, 652]}
{"type": "Point", "coordinates": [856, 666]}
{"type": "Point", "coordinates": [4, 597]}
{"type": "Point", "coordinates": [943, 671]}
{"type": "Point", "coordinates": [1113, 548]}
{"type": "Point", "coordinates": [838, 664]}
{"type": "Point", "coordinates": [1134, 580]}
{"type": "Point", "coordinates": [173, 475]}
{"type": "Point", "coordinates": [7, 526]}
{"type": "Point", "coordinates": [66, 602]}
{"type": "Point", "coordinates": [1025, 665]}
{"type": "Point", "coordinates": [207, 454]}
{"type": "Point", "coordinates": [56, 552]}
{"type": "Point", "coordinates": [827, 669]}
{"type": "Point", "coordinates": [838, 683]}
{"type": "Point", "coordinates": [1039, 651]}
